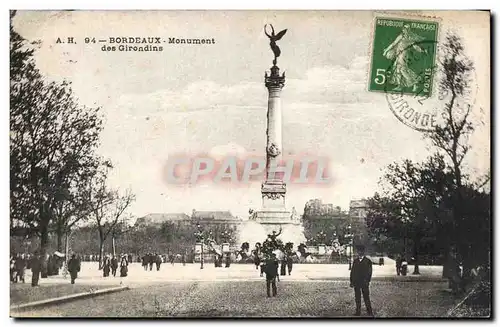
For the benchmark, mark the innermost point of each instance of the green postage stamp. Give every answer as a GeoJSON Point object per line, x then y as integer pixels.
{"type": "Point", "coordinates": [403, 56]}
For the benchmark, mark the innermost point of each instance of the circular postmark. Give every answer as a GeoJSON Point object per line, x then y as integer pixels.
{"type": "Point", "coordinates": [416, 87]}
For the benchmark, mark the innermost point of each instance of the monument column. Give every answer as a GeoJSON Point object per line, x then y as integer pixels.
{"type": "Point", "coordinates": [274, 84]}
{"type": "Point", "coordinates": [273, 188]}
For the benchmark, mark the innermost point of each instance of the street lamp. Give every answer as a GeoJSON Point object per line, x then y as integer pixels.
{"type": "Point", "coordinates": [200, 236]}
{"type": "Point", "coordinates": [349, 238]}
{"type": "Point", "coordinates": [321, 237]}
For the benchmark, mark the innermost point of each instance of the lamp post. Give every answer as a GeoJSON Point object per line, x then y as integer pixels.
{"type": "Point", "coordinates": [200, 236]}
{"type": "Point", "coordinates": [321, 237]}
{"type": "Point", "coordinates": [67, 252]}
{"type": "Point", "coordinates": [349, 238]}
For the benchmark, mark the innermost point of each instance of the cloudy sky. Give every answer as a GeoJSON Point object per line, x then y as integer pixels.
{"type": "Point", "coordinates": [212, 99]}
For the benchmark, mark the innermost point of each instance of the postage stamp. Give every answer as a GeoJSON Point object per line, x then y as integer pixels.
{"type": "Point", "coordinates": [403, 56]}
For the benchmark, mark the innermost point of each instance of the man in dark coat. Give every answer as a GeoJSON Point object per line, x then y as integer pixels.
{"type": "Point", "coordinates": [106, 267]}
{"type": "Point", "coordinates": [151, 260]}
{"type": "Point", "coordinates": [20, 266]}
{"type": "Point", "coordinates": [36, 268]}
{"type": "Point", "coordinates": [283, 266]}
{"type": "Point", "coordinates": [124, 267]}
{"type": "Point", "coordinates": [145, 262]}
{"type": "Point", "coordinates": [361, 275]}
{"type": "Point", "coordinates": [73, 268]}
{"type": "Point", "coordinates": [158, 261]}
{"type": "Point", "coordinates": [399, 261]}
{"type": "Point", "coordinates": [114, 265]}
{"type": "Point", "coordinates": [256, 259]}
{"type": "Point", "coordinates": [289, 263]}
{"type": "Point", "coordinates": [271, 270]}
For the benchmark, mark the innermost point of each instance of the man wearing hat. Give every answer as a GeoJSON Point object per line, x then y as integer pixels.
{"type": "Point", "coordinates": [361, 275]}
{"type": "Point", "coordinates": [74, 267]}
{"type": "Point", "coordinates": [271, 270]}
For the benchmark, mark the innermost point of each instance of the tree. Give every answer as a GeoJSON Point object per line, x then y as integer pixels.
{"type": "Point", "coordinates": [385, 228]}
{"type": "Point", "coordinates": [413, 207]}
{"type": "Point", "coordinates": [69, 213]}
{"type": "Point", "coordinates": [52, 143]}
{"type": "Point", "coordinates": [107, 206]}
{"type": "Point", "coordinates": [452, 137]}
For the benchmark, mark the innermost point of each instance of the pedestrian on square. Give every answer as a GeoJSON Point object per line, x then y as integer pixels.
{"type": "Point", "coordinates": [271, 270]}
{"type": "Point", "coordinates": [282, 264]}
{"type": "Point", "coordinates": [13, 272]}
{"type": "Point", "coordinates": [73, 268]}
{"type": "Point", "coordinates": [151, 261]}
{"type": "Point", "coordinates": [183, 259]}
{"type": "Point", "coordinates": [289, 262]}
{"type": "Point", "coordinates": [36, 268]}
{"type": "Point", "coordinates": [106, 266]}
{"type": "Point", "coordinates": [158, 261]}
{"type": "Point", "coordinates": [404, 266]}
{"type": "Point", "coordinates": [361, 274]}
{"type": "Point", "coordinates": [124, 267]}
{"type": "Point", "coordinates": [20, 267]}
{"type": "Point", "coordinates": [399, 262]}
{"type": "Point", "coordinates": [114, 265]}
{"type": "Point", "coordinates": [145, 262]}
{"type": "Point", "coordinates": [256, 259]}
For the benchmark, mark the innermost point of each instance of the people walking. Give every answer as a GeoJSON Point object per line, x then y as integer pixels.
{"type": "Point", "coordinates": [145, 262]}
{"type": "Point", "coordinates": [73, 268]}
{"type": "Point", "coordinates": [289, 262]}
{"type": "Point", "coordinates": [404, 267]}
{"type": "Point", "coordinates": [271, 271]}
{"type": "Point", "coordinates": [151, 260]}
{"type": "Point", "coordinates": [36, 268]}
{"type": "Point", "coordinates": [282, 267]}
{"type": "Point", "coordinates": [256, 259]}
{"type": "Point", "coordinates": [124, 267]}
{"type": "Point", "coordinates": [114, 266]}
{"type": "Point", "coordinates": [361, 274]}
{"type": "Point", "coordinates": [399, 261]}
{"type": "Point", "coordinates": [158, 261]}
{"type": "Point", "coordinates": [106, 266]}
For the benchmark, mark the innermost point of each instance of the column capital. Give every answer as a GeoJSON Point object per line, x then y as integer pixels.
{"type": "Point", "coordinates": [274, 80]}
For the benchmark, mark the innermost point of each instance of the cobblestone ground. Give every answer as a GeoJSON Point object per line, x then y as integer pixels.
{"type": "Point", "coordinates": [248, 299]}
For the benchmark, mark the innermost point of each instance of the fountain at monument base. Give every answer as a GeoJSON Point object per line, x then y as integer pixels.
{"type": "Point", "coordinates": [252, 231]}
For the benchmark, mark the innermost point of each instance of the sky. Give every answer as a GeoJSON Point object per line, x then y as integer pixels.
{"type": "Point", "coordinates": [211, 99]}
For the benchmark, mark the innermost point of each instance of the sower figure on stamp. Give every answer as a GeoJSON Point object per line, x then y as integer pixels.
{"type": "Point", "coordinates": [271, 270]}
{"type": "Point", "coordinates": [361, 275]}
{"type": "Point", "coordinates": [402, 75]}
{"type": "Point", "coordinates": [73, 268]}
